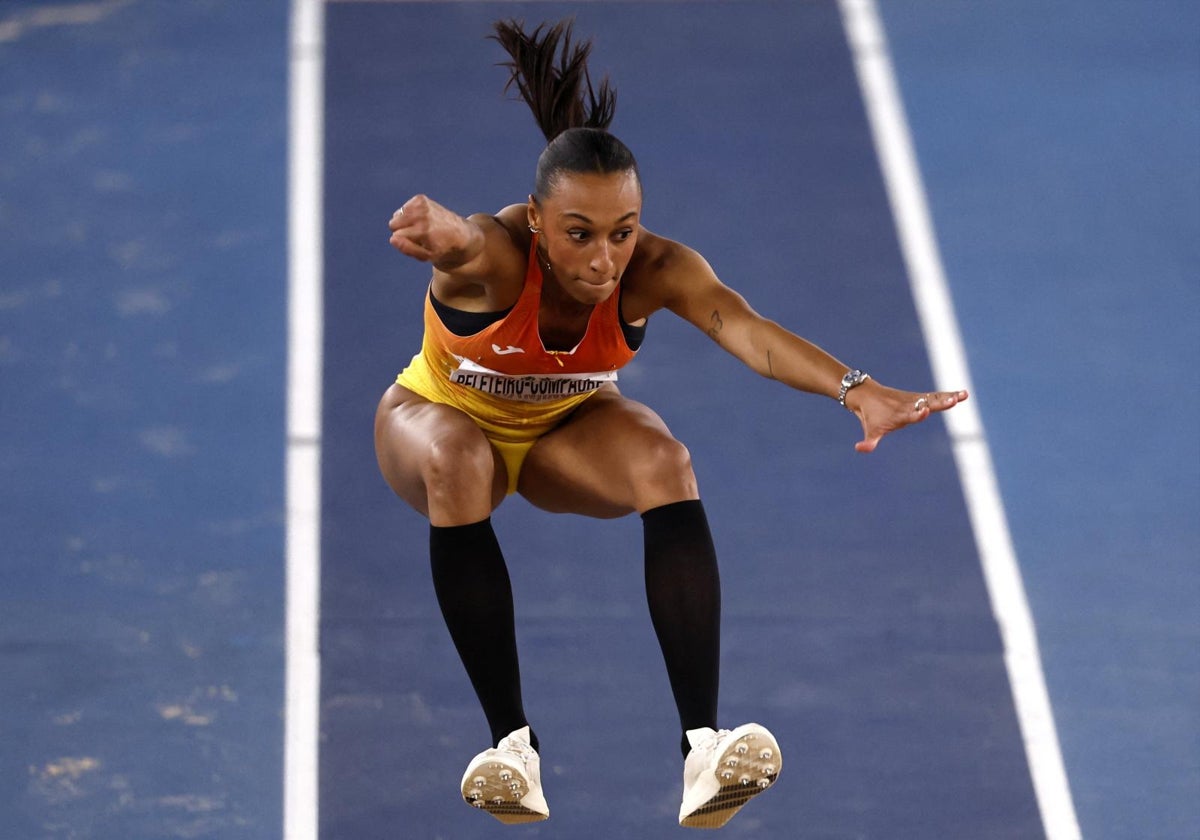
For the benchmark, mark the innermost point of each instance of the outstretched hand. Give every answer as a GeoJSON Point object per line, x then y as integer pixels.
{"type": "Point", "coordinates": [882, 410]}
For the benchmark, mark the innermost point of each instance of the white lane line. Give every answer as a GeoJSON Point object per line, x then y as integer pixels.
{"type": "Point", "coordinates": [906, 193]}
{"type": "Point", "coordinates": [305, 331]}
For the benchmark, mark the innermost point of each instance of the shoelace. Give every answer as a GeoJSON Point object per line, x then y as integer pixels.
{"type": "Point", "coordinates": [512, 745]}
{"type": "Point", "coordinates": [709, 742]}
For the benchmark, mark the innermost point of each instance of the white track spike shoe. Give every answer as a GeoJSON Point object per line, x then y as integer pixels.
{"type": "Point", "coordinates": [724, 770]}
{"type": "Point", "coordinates": [506, 781]}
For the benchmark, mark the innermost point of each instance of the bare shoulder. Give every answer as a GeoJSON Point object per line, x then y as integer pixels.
{"type": "Point", "coordinates": [662, 270]}
{"type": "Point", "coordinates": [506, 231]}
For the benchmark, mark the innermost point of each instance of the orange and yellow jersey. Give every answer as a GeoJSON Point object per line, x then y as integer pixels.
{"type": "Point", "coordinates": [503, 376]}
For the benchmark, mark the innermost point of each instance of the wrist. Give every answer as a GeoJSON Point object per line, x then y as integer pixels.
{"type": "Point", "coordinates": [851, 380]}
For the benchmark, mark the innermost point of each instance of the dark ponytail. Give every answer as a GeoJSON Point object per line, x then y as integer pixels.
{"type": "Point", "coordinates": [550, 72]}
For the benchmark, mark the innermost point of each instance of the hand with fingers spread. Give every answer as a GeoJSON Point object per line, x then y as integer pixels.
{"type": "Point", "coordinates": [882, 410]}
{"type": "Point", "coordinates": [427, 231]}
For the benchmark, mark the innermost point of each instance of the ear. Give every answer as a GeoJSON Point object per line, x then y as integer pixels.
{"type": "Point", "coordinates": [533, 214]}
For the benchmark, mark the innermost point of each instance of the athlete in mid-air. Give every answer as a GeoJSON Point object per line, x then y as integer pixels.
{"type": "Point", "coordinates": [529, 315]}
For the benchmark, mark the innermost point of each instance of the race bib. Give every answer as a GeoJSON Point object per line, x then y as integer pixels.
{"type": "Point", "coordinates": [529, 388]}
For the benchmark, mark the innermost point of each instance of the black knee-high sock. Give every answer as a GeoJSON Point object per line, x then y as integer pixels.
{"type": "Point", "coordinates": [475, 594]}
{"type": "Point", "coordinates": [683, 589]}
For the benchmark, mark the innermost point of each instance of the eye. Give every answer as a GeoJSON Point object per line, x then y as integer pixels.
{"type": "Point", "coordinates": [622, 235]}
{"type": "Point", "coordinates": [578, 235]}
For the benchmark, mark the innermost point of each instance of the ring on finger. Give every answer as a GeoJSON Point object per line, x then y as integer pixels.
{"type": "Point", "coordinates": [920, 403]}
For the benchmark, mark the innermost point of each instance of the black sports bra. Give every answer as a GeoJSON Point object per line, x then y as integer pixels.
{"type": "Point", "coordinates": [461, 322]}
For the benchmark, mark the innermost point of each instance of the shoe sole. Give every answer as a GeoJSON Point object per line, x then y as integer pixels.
{"type": "Point", "coordinates": [490, 788]}
{"type": "Point", "coordinates": [747, 767]}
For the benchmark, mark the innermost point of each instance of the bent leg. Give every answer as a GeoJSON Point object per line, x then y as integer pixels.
{"type": "Point", "coordinates": [436, 459]}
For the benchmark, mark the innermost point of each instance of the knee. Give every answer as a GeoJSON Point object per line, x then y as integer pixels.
{"type": "Point", "coordinates": [458, 463]}
{"type": "Point", "coordinates": [665, 466]}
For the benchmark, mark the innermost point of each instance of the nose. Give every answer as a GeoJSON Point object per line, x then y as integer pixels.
{"type": "Point", "coordinates": [602, 259]}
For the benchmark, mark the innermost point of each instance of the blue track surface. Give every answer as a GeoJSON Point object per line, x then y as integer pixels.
{"type": "Point", "coordinates": [1061, 148]}
{"type": "Point", "coordinates": [141, 362]}
{"type": "Point", "coordinates": [142, 324]}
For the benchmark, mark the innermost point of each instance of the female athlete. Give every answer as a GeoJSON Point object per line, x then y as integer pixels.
{"type": "Point", "coordinates": [528, 317]}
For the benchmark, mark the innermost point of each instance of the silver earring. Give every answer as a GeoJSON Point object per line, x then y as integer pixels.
{"type": "Point", "coordinates": [532, 229]}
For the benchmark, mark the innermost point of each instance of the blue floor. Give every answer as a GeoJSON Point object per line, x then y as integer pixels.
{"type": "Point", "coordinates": [142, 281]}
{"type": "Point", "coordinates": [1061, 150]}
{"type": "Point", "coordinates": [142, 327]}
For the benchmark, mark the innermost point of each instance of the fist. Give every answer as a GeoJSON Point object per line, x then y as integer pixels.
{"type": "Point", "coordinates": [425, 230]}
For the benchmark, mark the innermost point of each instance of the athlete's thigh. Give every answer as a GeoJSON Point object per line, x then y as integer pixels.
{"type": "Point", "coordinates": [437, 459]}
{"type": "Point", "coordinates": [613, 456]}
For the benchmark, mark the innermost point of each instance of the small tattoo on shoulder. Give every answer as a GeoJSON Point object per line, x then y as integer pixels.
{"type": "Point", "coordinates": [715, 323]}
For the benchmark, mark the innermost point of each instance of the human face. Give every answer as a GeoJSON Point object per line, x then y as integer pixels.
{"type": "Point", "coordinates": [589, 226]}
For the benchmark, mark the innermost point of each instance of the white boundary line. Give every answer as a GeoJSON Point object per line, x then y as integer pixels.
{"type": "Point", "coordinates": [906, 193]}
{"type": "Point", "coordinates": [305, 332]}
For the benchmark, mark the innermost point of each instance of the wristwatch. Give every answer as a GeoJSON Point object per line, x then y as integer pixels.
{"type": "Point", "coordinates": [852, 379]}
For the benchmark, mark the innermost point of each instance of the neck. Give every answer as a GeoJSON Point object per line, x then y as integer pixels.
{"type": "Point", "coordinates": [554, 295]}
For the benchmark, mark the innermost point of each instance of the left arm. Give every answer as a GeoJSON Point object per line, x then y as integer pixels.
{"type": "Point", "coordinates": [693, 292]}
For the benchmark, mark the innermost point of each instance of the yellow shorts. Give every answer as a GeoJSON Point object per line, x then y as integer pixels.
{"type": "Point", "coordinates": [513, 456]}
{"type": "Point", "coordinates": [511, 427]}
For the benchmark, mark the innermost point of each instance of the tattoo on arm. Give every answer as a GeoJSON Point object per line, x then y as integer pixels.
{"type": "Point", "coordinates": [715, 324]}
